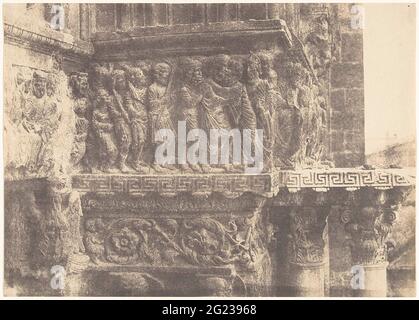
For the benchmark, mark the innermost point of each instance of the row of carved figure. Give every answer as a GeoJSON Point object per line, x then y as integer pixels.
{"type": "Point", "coordinates": [130, 103]}
{"type": "Point", "coordinates": [118, 108]}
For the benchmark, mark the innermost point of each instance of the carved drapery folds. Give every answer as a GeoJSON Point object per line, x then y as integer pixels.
{"type": "Point", "coordinates": [264, 90]}
{"type": "Point", "coordinates": [117, 108]}
{"type": "Point", "coordinates": [56, 220]}
{"type": "Point", "coordinates": [309, 63]}
{"type": "Point", "coordinates": [93, 133]}
{"type": "Point", "coordinates": [40, 122]}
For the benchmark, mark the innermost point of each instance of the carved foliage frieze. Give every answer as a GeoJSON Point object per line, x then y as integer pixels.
{"type": "Point", "coordinates": [200, 241]}
{"type": "Point", "coordinates": [204, 240]}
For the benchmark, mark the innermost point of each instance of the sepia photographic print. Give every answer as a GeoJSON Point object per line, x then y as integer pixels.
{"type": "Point", "coordinates": [209, 149]}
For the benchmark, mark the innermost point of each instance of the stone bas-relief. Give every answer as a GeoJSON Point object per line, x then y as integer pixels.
{"type": "Point", "coordinates": [130, 101]}
{"type": "Point", "coordinates": [84, 192]}
{"type": "Point", "coordinates": [39, 113]}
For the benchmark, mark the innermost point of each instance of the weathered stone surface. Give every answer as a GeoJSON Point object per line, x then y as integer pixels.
{"type": "Point", "coordinates": [352, 50]}
{"type": "Point", "coordinates": [347, 83]}
{"type": "Point", "coordinates": [347, 75]}
{"type": "Point", "coordinates": [84, 192]}
{"type": "Point", "coordinates": [338, 100]}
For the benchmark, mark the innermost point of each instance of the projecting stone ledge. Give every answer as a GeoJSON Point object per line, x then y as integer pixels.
{"type": "Point", "coordinates": [266, 184]}
{"type": "Point", "coordinates": [349, 178]}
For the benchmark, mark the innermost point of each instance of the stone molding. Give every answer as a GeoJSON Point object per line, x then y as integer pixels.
{"type": "Point", "coordinates": [267, 184]}
{"type": "Point", "coordinates": [350, 179]}
{"type": "Point", "coordinates": [77, 50]}
{"type": "Point", "coordinates": [199, 39]}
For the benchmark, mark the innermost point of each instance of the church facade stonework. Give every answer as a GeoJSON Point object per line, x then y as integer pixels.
{"type": "Point", "coordinates": [89, 211]}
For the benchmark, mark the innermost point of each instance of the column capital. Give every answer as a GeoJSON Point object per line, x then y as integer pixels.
{"type": "Point", "coordinates": [369, 215]}
{"type": "Point", "coordinates": [307, 235]}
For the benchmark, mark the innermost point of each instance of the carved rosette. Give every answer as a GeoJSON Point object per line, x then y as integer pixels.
{"type": "Point", "coordinates": [199, 241]}
{"type": "Point", "coordinates": [307, 235]}
{"type": "Point", "coordinates": [369, 225]}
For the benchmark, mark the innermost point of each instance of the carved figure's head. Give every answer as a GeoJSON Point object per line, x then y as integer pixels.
{"type": "Point", "coordinates": [221, 71]}
{"type": "Point", "coordinates": [51, 84]}
{"type": "Point", "coordinates": [57, 60]}
{"type": "Point", "coordinates": [137, 76]}
{"type": "Point", "coordinates": [236, 70]}
{"type": "Point", "coordinates": [254, 69]}
{"type": "Point", "coordinates": [161, 73]}
{"type": "Point", "coordinates": [38, 85]}
{"type": "Point", "coordinates": [297, 75]}
{"type": "Point", "coordinates": [102, 99]}
{"type": "Point", "coordinates": [192, 70]}
{"type": "Point", "coordinates": [79, 84]}
{"type": "Point", "coordinates": [77, 152]}
{"type": "Point", "coordinates": [119, 79]}
{"type": "Point", "coordinates": [99, 76]}
{"type": "Point", "coordinates": [265, 63]}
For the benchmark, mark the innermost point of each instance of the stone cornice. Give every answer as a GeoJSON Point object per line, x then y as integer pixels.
{"type": "Point", "coordinates": [233, 185]}
{"type": "Point", "coordinates": [73, 50]}
{"type": "Point", "coordinates": [187, 39]}
{"type": "Point", "coordinates": [349, 178]}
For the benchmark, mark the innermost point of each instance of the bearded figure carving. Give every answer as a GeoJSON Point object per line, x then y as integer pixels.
{"type": "Point", "coordinates": [225, 103]}
{"type": "Point", "coordinates": [267, 71]}
{"type": "Point", "coordinates": [227, 73]}
{"type": "Point", "coordinates": [213, 115]}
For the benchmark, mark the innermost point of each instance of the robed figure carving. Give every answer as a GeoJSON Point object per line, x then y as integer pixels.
{"type": "Point", "coordinates": [159, 106]}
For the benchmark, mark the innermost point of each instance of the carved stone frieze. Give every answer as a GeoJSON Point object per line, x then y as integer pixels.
{"type": "Point", "coordinates": [231, 185]}
{"type": "Point", "coordinates": [163, 241]}
{"type": "Point", "coordinates": [84, 138]}
{"type": "Point", "coordinates": [350, 179]}
{"type": "Point", "coordinates": [133, 100]}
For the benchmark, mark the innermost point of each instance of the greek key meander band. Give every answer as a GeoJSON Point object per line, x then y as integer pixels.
{"type": "Point", "coordinates": [269, 183]}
